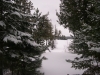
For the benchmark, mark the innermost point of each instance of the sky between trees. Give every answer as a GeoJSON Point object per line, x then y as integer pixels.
{"type": "Point", "coordinates": [50, 6]}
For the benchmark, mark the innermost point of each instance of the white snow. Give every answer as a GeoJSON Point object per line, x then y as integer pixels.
{"type": "Point", "coordinates": [27, 15]}
{"type": "Point", "coordinates": [89, 43]}
{"type": "Point", "coordinates": [12, 38]}
{"type": "Point", "coordinates": [36, 56]}
{"type": "Point", "coordinates": [17, 13]}
{"type": "Point", "coordinates": [37, 23]}
{"type": "Point", "coordinates": [24, 34]}
{"type": "Point", "coordinates": [88, 28]}
{"type": "Point", "coordinates": [32, 58]}
{"type": "Point", "coordinates": [1, 51]}
{"type": "Point", "coordinates": [56, 63]}
{"type": "Point", "coordinates": [8, 1]}
{"type": "Point", "coordinates": [14, 55]}
{"type": "Point", "coordinates": [2, 23]}
{"type": "Point", "coordinates": [31, 22]}
{"type": "Point", "coordinates": [62, 45]}
{"type": "Point", "coordinates": [97, 49]}
{"type": "Point", "coordinates": [32, 43]}
{"type": "Point", "coordinates": [35, 27]}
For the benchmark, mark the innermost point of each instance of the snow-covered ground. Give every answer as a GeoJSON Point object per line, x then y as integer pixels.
{"type": "Point", "coordinates": [56, 64]}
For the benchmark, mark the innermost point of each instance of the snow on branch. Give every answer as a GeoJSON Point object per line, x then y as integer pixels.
{"type": "Point", "coordinates": [89, 43]}
{"type": "Point", "coordinates": [32, 59]}
{"type": "Point", "coordinates": [27, 59]}
{"type": "Point", "coordinates": [1, 51]}
{"type": "Point", "coordinates": [97, 49]}
{"type": "Point", "coordinates": [8, 1]}
{"type": "Point", "coordinates": [14, 55]}
{"type": "Point", "coordinates": [32, 43]}
{"type": "Point", "coordinates": [17, 13]}
{"type": "Point", "coordinates": [12, 38]}
{"type": "Point", "coordinates": [2, 23]}
{"type": "Point", "coordinates": [26, 15]}
{"type": "Point", "coordinates": [24, 34]}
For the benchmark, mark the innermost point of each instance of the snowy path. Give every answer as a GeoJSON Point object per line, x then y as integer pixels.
{"type": "Point", "coordinates": [56, 64]}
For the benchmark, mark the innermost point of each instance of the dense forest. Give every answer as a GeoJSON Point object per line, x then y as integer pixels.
{"type": "Point", "coordinates": [82, 17]}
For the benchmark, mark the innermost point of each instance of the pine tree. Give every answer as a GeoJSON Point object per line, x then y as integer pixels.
{"type": "Point", "coordinates": [44, 28]}
{"type": "Point", "coordinates": [18, 50]}
{"type": "Point", "coordinates": [82, 17]}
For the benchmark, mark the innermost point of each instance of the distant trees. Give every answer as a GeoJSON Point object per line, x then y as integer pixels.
{"type": "Point", "coordinates": [43, 32]}
{"type": "Point", "coordinates": [20, 49]}
{"type": "Point", "coordinates": [82, 17]}
{"type": "Point", "coordinates": [62, 37]}
{"type": "Point", "coordinates": [43, 28]}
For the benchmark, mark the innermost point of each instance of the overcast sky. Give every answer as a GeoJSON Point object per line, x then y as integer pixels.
{"type": "Point", "coordinates": [50, 6]}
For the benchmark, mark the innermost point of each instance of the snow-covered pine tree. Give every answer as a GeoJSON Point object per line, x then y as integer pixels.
{"type": "Point", "coordinates": [18, 50]}
{"type": "Point", "coordinates": [82, 17]}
